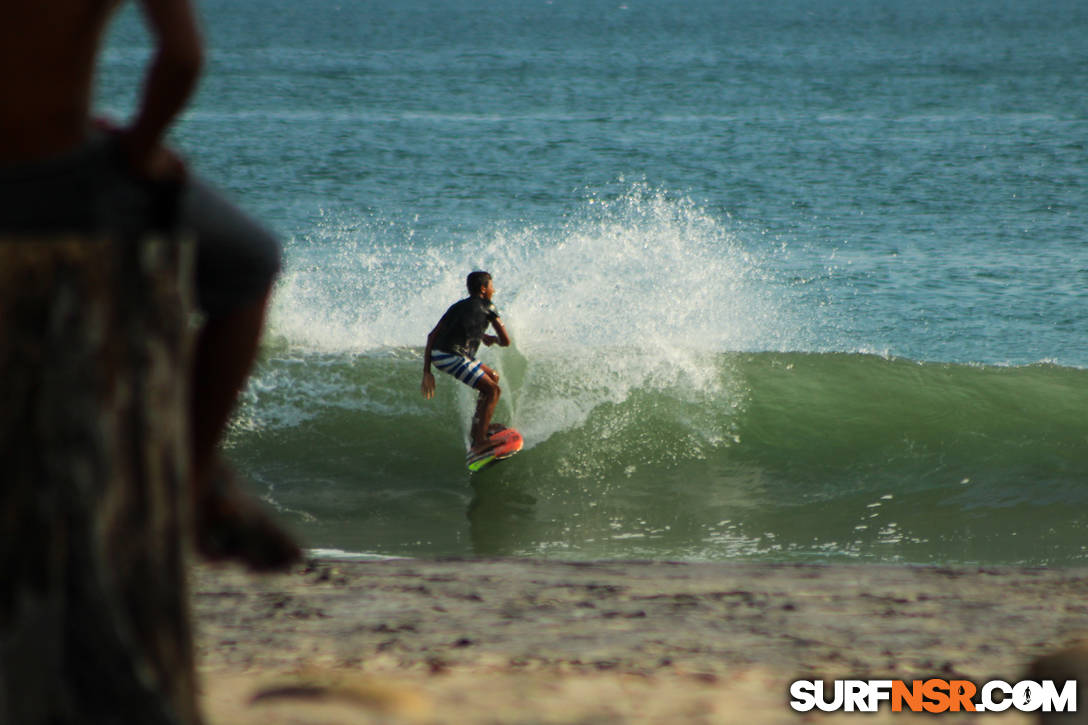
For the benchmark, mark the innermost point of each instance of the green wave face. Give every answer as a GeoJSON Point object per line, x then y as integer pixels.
{"type": "Point", "coordinates": [773, 456]}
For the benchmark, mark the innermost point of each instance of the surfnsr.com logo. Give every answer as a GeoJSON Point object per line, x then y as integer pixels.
{"type": "Point", "coordinates": [933, 696]}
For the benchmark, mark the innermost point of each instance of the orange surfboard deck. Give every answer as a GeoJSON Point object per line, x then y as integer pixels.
{"type": "Point", "coordinates": [502, 443]}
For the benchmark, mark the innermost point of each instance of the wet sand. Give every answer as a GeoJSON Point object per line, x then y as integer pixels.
{"type": "Point", "coordinates": [523, 641]}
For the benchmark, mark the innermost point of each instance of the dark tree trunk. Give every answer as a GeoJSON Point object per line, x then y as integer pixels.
{"type": "Point", "coordinates": [94, 353]}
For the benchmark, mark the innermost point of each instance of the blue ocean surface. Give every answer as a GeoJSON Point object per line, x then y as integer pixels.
{"type": "Point", "coordinates": [795, 280]}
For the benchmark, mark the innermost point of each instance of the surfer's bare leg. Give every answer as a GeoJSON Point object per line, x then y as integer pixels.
{"type": "Point", "coordinates": [488, 386]}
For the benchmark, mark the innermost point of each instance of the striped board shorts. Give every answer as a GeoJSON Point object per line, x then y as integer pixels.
{"type": "Point", "coordinates": [467, 370]}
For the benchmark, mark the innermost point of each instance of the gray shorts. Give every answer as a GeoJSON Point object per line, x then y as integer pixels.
{"type": "Point", "coordinates": [89, 191]}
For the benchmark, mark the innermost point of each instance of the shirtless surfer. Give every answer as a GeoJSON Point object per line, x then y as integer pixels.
{"type": "Point", "coordinates": [452, 347]}
{"type": "Point", "coordinates": [63, 172]}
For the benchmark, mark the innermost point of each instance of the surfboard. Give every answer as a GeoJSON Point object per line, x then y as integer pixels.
{"type": "Point", "coordinates": [503, 442]}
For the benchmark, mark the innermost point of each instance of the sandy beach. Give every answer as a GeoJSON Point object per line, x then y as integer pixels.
{"type": "Point", "coordinates": [523, 641]}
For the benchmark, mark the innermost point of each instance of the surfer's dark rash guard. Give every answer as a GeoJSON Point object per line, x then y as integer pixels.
{"type": "Point", "coordinates": [462, 328]}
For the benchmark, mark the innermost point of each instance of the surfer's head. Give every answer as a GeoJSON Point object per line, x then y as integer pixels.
{"type": "Point", "coordinates": [478, 282]}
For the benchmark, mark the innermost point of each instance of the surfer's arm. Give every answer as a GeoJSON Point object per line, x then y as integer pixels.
{"type": "Point", "coordinates": [427, 388]}
{"type": "Point", "coordinates": [502, 339]}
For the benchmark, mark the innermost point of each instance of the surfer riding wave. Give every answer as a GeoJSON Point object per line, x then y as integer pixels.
{"type": "Point", "coordinates": [452, 345]}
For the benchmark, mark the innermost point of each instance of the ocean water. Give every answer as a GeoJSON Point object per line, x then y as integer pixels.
{"type": "Point", "coordinates": [795, 280]}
